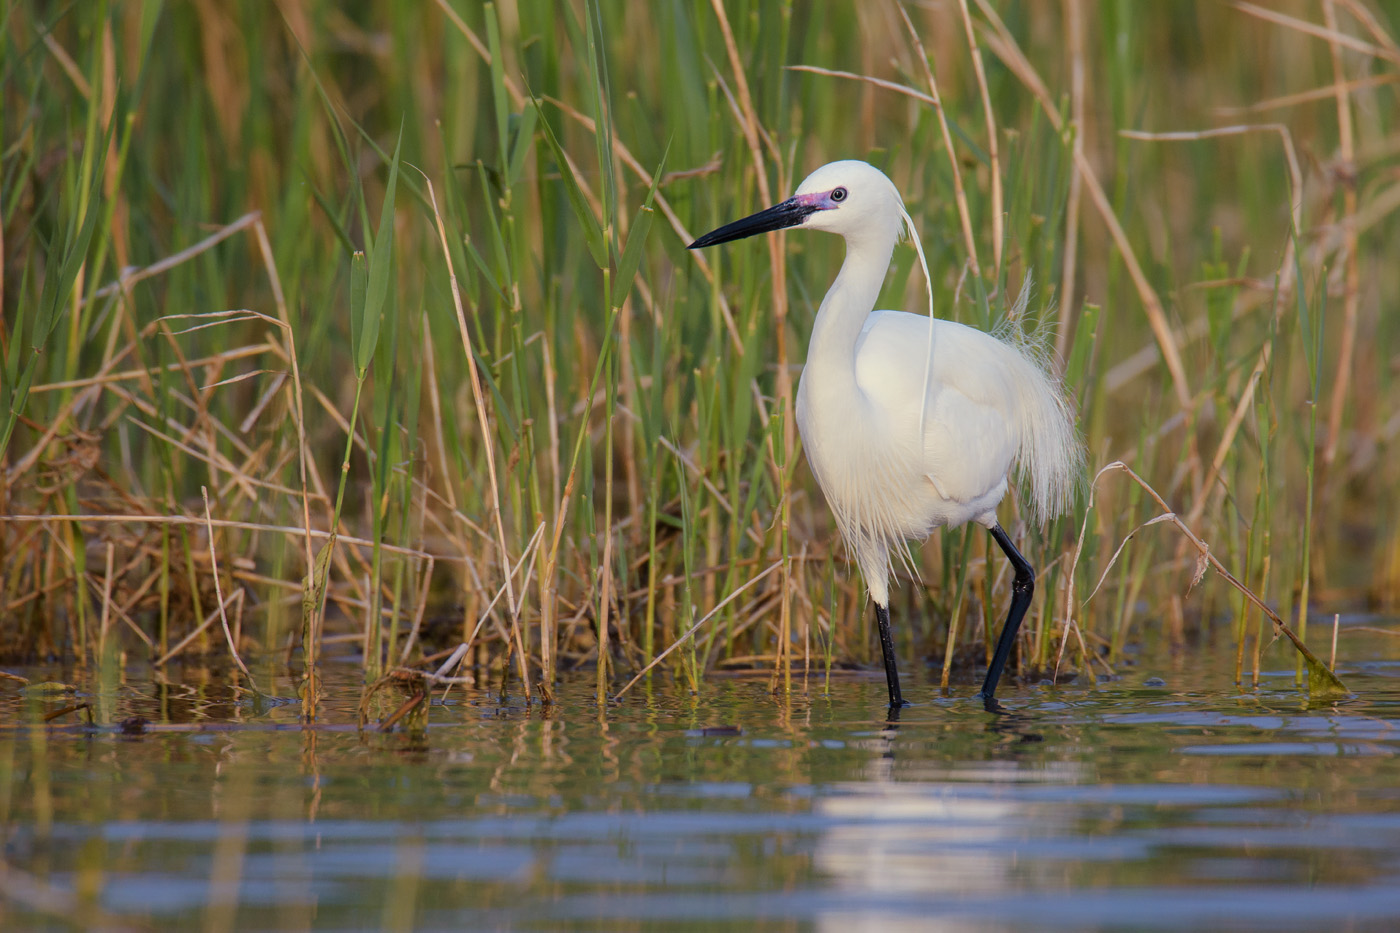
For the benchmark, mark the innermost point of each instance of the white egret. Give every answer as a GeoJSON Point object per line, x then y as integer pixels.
{"type": "Point", "coordinates": [911, 423]}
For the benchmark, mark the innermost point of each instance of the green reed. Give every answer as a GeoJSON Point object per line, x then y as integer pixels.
{"type": "Point", "coordinates": [569, 437]}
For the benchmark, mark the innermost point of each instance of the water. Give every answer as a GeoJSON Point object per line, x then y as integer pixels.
{"type": "Point", "coordinates": [1122, 807]}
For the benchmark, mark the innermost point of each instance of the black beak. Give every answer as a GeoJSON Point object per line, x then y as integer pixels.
{"type": "Point", "coordinates": [790, 213]}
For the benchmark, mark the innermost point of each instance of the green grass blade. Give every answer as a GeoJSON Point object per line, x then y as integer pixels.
{"type": "Point", "coordinates": [592, 230]}
{"type": "Point", "coordinates": [359, 284]}
{"type": "Point", "coordinates": [366, 328]}
{"type": "Point", "coordinates": [636, 239]}
{"type": "Point", "coordinates": [60, 278]}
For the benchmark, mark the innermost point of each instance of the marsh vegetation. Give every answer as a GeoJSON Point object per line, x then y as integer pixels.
{"type": "Point", "coordinates": [525, 431]}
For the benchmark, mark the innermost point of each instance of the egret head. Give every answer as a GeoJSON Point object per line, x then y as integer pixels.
{"type": "Point", "coordinates": [851, 198]}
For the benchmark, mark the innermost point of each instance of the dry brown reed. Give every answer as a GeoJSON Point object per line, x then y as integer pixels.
{"type": "Point", "coordinates": [577, 448]}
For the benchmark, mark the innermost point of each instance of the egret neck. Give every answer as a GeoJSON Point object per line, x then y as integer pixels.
{"type": "Point", "coordinates": [831, 356]}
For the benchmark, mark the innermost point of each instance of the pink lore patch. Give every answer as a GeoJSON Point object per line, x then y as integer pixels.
{"type": "Point", "coordinates": [821, 200]}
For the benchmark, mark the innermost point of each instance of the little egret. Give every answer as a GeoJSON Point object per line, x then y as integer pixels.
{"type": "Point", "coordinates": [911, 422]}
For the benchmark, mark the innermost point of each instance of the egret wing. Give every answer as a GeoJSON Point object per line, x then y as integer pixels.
{"type": "Point", "coordinates": [964, 394]}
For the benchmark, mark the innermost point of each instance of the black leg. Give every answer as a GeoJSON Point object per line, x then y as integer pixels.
{"type": "Point", "coordinates": [1022, 588]}
{"type": "Point", "coordinates": [882, 616]}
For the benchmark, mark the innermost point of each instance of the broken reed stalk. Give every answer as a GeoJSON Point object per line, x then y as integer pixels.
{"type": "Point", "coordinates": [695, 628]}
{"type": "Point", "coordinates": [487, 439]}
{"type": "Point", "coordinates": [218, 591]}
{"type": "Point", "coordinates": [1321, 678]}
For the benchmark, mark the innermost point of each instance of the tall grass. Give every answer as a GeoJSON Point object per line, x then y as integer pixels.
{"type": "Point", "coordinates": [570, 442]}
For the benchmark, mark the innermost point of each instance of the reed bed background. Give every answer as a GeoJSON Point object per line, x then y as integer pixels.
{"type": "Point", "coordinates": [370, 333]}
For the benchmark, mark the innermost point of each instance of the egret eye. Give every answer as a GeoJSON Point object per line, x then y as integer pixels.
{"type": "Point", "coordinates": [838, 195]}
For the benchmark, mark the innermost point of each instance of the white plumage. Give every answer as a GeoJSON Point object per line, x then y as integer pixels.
{"type": "Point", "coordinates": [910, 422]}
